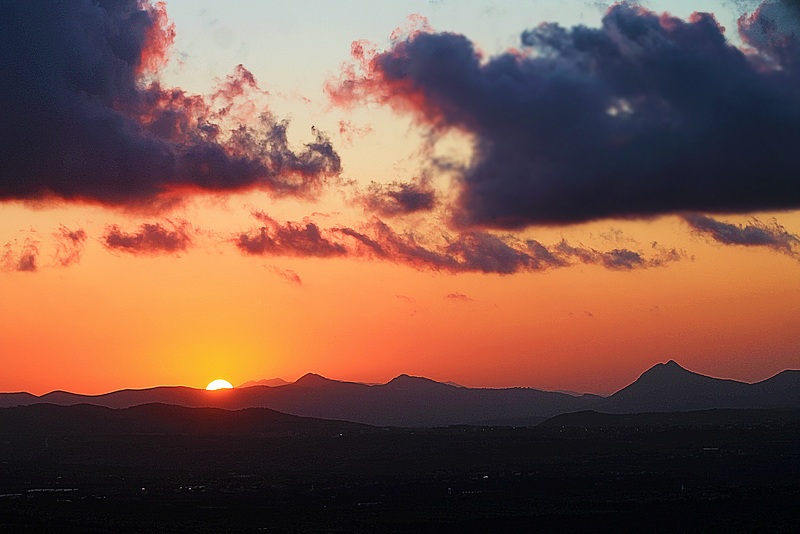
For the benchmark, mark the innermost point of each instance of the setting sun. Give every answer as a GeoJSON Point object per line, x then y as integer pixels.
{"type": "Point", "coordinates": [219, 384]}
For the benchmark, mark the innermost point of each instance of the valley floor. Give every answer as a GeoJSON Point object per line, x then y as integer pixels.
{"type": "Point", "coordinates": [461, 479]}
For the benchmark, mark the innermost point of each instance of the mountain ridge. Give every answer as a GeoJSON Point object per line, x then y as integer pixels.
{"type": "Point", "coordinates": [415, 401]}
{"type": "Point", "coordinates": [271, 382]}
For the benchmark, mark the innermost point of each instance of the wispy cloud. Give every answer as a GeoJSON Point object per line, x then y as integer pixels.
{"type": "Point", "coordinates": [69, 245]}
{"type": "Point", "coordinates": [349, 131]}
{"type": "Point", "coordinates": [475, 251]}
{"type": "Point", "coordinates": [25, 260]}
{"type": "Point", "coordinates": [288, 275]}
{"type": "Point", "coordinates": [620, 259]}
{"type": "Point", "coordinates": [754, 234]}
{"type": "Point", "coordinates": [304, 239]}
{"type": "Point", "coordinates": [151, 238]}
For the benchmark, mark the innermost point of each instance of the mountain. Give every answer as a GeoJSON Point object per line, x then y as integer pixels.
{"type": "Point", "coordinates": [668, 387]}
{"type": "Point", "coordinates": [414, 401]}
{"type": "Point", "coordinates": [272, 382]}
{"type": "Point", "coordinates": [404, 401]}
{"type": "Point", "coordinates": [125, 398]}
{"type": "Point", "coordinates": [782, 389]}
{"type": "Point", "coordinates": [19, 398]}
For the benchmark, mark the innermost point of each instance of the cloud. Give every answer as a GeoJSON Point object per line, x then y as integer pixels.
{"type": "Point", "coordinates": [69, 245]}
{"type": "Point", "coordinates": [24, 261]}
{"type": "Point", "coordinates": [483, 252]}
{"type": "Point", "coordinates": [459, 296]}
{"type": "Point", "coordinates": [348, 131]}
{"type": "Point", "coordinates": [398, 198]}
{"type": "Point", "coordinates": [755, 234]}
{"type": "Point", "coordinates": [646, 115]}
{"type": "Point", "coordinates": [774, 28]}
{"type": "Point", "coordinates": [85, 117]}
{"type": "Point", "coordinates": [619, 259]}
{"type": "Point", "coordinates": [378, 240]}
{"type": "Point", "coordinates": [290, 239]}
{"type": "Point", "coordinates": [465, 252]}
{"type": "Point", "coordinates": [150, 239]}
{"type": "Point", "coordinates": [288, 275]}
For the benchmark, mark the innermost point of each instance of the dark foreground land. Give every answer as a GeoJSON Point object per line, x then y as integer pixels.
{"type": "Point", "coordinates": [206, 470]}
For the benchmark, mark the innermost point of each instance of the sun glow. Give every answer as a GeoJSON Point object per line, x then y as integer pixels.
{"type": "Point", "coordinates": [219, 384]}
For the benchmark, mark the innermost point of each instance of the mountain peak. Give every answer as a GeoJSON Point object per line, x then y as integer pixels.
{"type": "Point", "coordinates": [670, 387]}
{"type": "Point", "coordinates": [671, 368]}
{"type": "Point", "coordinates": [405, 380]}
{"type": "Point", "coordinates": [312, 379]}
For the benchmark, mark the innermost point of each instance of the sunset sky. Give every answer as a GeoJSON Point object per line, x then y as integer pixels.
{"type": "Point", "coordinates": [529, 193]}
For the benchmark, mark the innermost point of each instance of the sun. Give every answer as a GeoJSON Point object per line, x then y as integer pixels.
{"type": "Point", "coordinates": [219, 384]}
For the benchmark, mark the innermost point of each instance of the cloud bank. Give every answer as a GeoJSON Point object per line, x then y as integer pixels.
{"type": "Point", "coordinates": [465, 252]}
{"type": "Point", "coordinates": [648, 114]}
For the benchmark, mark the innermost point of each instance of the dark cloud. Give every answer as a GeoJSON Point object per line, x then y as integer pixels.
{"type": "Point", "coordinates": [774, 28]}
{"type": "Point", "coordinates": [85, 118]}
{"type": "Point", "coordinates": [291, 239]}
{"type": "Point", "coordinates": [648, 114]}
{"type": "Point", "coordinates": [150, 239]}
{"type": "Point", "coordinates": [24, 261]}
{"type": "Point", "coordinates": [69, 245]}
{"type": "Point", "coordinates": [477, 252]}
{"type": "Point", "coordinates": [398, 198]}
{"type": "Point", "coordinates": [459, 296]}
{"type": "Point", "coordinates": [757, 234]}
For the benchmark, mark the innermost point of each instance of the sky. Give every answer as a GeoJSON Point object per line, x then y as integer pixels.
{"type": "Point", "coordinates": [543, 194]}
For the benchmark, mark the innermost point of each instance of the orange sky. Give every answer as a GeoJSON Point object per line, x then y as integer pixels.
{"type": "Point", "coordinates": [116, 320]}
{"type": "Point", "coordinates": [88, 316]}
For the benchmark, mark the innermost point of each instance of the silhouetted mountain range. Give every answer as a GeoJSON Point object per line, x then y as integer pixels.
{"type": "Point", "coordinates": [416, 401]}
